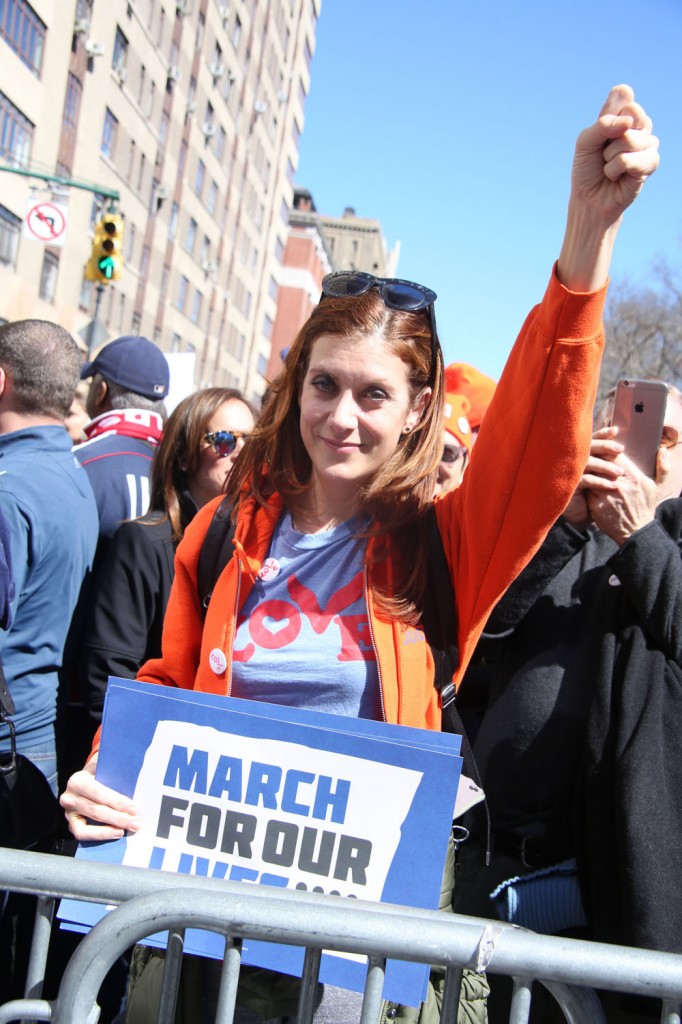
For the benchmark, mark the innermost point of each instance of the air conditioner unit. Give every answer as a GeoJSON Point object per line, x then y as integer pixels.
{"type": "Point", "coordinates": [224, 12]}
{"type": "Point", "coordinates": [174, 74]}
{"type": "Point", "coordinates": [209, 266]}
{"type": "Point", "coordinates": [162, 192]}
{"type": "Point", "coordinates": [81, 26]}
{"type": "Point", "coordinates": [183, 8]}
{"type": "Point", "coordinates": [231, 76]}
{"type": "Point", "coordinates": [260, 106]}
{"type": "Point", "coordinates": [120, 73]}
{"type": "Point", "coordinates": [208, 129]}
{"type": "Point", "coordinates": [191, 106]}
{"type": "Point", "coordinates": [217, 70]}
{"type": "Point", "coordinates": [94, 49]}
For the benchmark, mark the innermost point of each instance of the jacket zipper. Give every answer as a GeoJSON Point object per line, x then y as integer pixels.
{"type": "Point", "coordinates": [365, 584]}
{"type": "Point", "coordinates": [234, 627]}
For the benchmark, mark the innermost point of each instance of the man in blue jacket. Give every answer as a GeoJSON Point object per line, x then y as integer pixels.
{"type": "Point", "coordinates": [52, 524]}
{"type": "Point", "coordinates": [129, 381]}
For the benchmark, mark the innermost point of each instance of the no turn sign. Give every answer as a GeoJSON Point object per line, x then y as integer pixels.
{"type": "Point", "coordinates": [46, 222]}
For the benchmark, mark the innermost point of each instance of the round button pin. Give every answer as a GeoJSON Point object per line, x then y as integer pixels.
{"type": "Point", "coordinates": [614, 581]}
{"type": "Point", "coordinates": [269, 569]}
{"type": "Point", "coordinates": [217, 661]}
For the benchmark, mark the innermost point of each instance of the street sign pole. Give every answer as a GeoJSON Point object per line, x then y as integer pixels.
{"type": "Point", "coordinates": [91, 325]}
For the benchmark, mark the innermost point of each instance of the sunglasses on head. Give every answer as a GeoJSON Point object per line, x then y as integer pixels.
{"type": "Point", "coordinates": [224, 442]}
{"type": "Point", "coordinates": [396, 293]}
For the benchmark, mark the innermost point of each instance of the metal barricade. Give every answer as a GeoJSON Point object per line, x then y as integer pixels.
{"type": "Point", "coordinates": [150, 901]}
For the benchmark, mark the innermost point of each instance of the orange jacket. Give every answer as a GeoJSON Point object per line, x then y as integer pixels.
{"type": "Point", "coordinates": [525, 465]}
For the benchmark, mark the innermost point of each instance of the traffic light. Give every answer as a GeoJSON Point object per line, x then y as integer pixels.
{"type": "Point", "coordinates": [106, 260]}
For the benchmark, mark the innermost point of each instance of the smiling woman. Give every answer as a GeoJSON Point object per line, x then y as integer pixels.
{"type": "Point", "coordinates": [320, 605]}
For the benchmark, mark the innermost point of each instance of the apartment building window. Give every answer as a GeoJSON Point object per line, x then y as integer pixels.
{"type": "Point", "coordinates": [143, 168]}
{"type": "Point", "coordinates": [131, 158]}
{"type": "Point", "coordinates": [10, 230]}
{"type": "Point", "coordinates": [85, 297]}
{"type": "Point", "coordinates": [144, 262]}
{"type": "Point", "coordinates": [163, 127]}
{"type": "Point", "coordinates": [279, 250]}
{"type": "Point", "coordinates": [217, 67]}
{"type": "Point", "coordinates": [235, 342]}
{"type": "Point", "coordinates": [220, 141]}
{"type": "Point", "coordinates": [129, 243]}
{"type": "Point", "coordinates": [199, 37]}
{"type": "Point", "coordinates": [212, 197]}
{"type": "Point", "coordinates": [23, 31]}
{"type": "Point", "coordinates": [267, 328]}
{"type": "Point", "coordinates": [142, 83]}
{"type": "Point", "coordinates": [48, 276]}
{"type": "Point", "coordinates": [273, 288]}
{"type": "Point", "coordinates": [296, 133]}
{"type": "Point", "coordinates": [262, 365]}
{"type": "Point", "coordinates": [205, 250]}
{"type": "Point", "coordinates": [191, 236]}
{"type": "Point", "coordinates": [236, 31]}
{"type": "Point", "coordinates": [72, 102]}
{"type": "Point", "coordinates": [173, 221]}
{"type": "Point", "coordinates": [160, 29]}
{"type": "Point", "coordinates": [308, 54]}
{"type": "Point", "coordinates": [175, 342]}
{"type": "Point", "coordinates": [183, 285]}
{"type": "Point", "coordinates": [199, 177]}
{"type": "Point", "coordinates": [16, 133]}
{"type": "Point", "coordinates": [196, 306]}
{"type": "Point", "coordinates": [120, 55]}
{"type": "Point", "coordinates": [109, 133]}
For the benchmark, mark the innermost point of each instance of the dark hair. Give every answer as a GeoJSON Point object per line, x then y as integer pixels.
{"type": "Point", "coordinates": [43, 362]}
{"type": "Point", "coordinates": [179, 452]}
{"type": "Point", "coordinates": [400, 492]}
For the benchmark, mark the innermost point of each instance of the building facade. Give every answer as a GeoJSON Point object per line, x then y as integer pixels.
{"type": "Point", "coordinates": [185, 118]}
{"type": "Point", "coordinates": [315, 245]}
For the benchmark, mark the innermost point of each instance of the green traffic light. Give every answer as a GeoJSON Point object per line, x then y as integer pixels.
{"type": "Point", "coordinates": [106, 267]}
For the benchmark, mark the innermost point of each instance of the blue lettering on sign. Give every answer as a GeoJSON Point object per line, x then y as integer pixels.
{"type": "Point", "coordinates": [258, 784]}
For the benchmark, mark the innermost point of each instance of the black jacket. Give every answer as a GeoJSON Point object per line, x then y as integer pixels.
{"type": "Point", "coordinates": [581, 730]}
{"type": "Point", "coordinates": [128, 606]}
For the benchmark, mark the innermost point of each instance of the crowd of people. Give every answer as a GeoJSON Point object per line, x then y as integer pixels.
{"type": "Point", "coordinates": [564, 560]}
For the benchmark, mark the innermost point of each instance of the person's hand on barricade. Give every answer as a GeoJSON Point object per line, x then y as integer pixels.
{"type": "Point", "coordinates": [613, 158]}
{"type": "Point", "coordinates": [601, 470]}
{"type": "Point", "coordinates": [93, 811]}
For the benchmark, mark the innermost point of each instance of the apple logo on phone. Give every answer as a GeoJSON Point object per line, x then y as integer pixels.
{"type": "Point", "coordinates": [639, 406]}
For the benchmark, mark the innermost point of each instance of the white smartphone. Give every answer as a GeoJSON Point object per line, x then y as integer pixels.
{"type": "Point", "coordinates": [638, 412]}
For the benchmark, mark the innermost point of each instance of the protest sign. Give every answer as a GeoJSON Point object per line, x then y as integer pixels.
{"type": "Point", "coordinates": [273, 795]}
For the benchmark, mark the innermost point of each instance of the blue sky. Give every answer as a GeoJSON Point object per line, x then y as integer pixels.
{"type": "Point", "coordinates": [454, 125]}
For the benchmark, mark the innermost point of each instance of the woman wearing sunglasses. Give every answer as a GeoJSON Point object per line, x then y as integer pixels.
{"type": "Point", "coordinates": [201, 441]}
{"type": "Point", "coordinates": [326, 584]}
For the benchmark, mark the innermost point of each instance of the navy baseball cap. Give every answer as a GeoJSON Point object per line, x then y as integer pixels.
{"type": "Point", "coordinates": [134, 363]}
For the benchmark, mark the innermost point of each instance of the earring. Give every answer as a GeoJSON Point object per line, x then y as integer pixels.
{"type": "Point", "coordinates": [406, 430]}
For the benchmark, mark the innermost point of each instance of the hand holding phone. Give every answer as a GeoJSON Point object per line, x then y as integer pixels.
{"type": "Point", "coordinates": [638, 412]}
